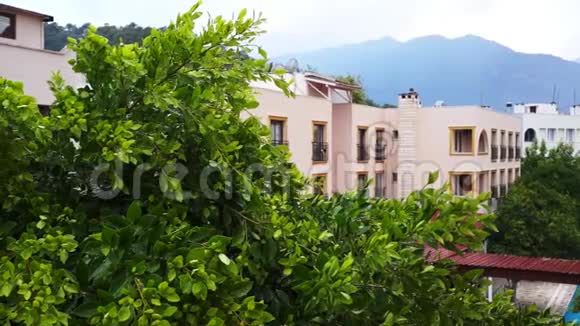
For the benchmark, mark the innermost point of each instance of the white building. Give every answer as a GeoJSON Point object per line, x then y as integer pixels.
{"type": "Point", "coordinates": [544, 122]}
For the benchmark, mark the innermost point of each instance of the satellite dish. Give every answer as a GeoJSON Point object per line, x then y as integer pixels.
{"type": "Point", "coordinates": [292, 65]}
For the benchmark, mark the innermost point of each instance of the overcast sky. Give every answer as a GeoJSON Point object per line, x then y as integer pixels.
{"type": "Point", "coordinates": [533, 26]}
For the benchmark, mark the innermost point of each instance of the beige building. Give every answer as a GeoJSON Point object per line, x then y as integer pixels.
{"type": "Point", "coordinates": [344, 145]}
{"type": "Point", "coordinates": [22, 54]}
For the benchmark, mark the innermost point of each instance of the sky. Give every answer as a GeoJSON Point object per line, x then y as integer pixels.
{"type": "Point", "coordinates": [295, 26]}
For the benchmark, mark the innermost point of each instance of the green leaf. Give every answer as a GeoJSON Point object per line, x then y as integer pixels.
{"type": "Point", "coordinates": [124, 313]}
{"type": "Point", "coordinates": [433, 176]}
{"type": "Point", "coordinates": [134, 211]}
{"type": "Point", "coordinates": [169, 311]}
{"type": "Point", "coordinates": [224, 259]}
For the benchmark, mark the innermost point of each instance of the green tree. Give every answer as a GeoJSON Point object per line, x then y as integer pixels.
{"type": "Point", "coordinates": [359, 96]}
{"type": "Point", "coordinates": [56, 36]}
{"type": "Point", "coordinates": [144, 199]}
{"type": "Point", "coordinates": [541, 214]}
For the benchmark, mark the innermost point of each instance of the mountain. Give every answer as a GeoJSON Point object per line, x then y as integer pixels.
{"type": "Point", "coordinates": [464, 70]}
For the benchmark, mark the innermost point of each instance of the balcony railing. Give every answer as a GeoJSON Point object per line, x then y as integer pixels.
{"type": "Point", "coordinates": [494, 152]}
{"type": "Point", "coordinates": [362, 152]}
{"type": "Point", "coordinates": [518, 153]}
{"type": "Point", "coordinates": [502, 190]}
{"type": "Point", "coordinates": [511, 153]}
{"type": "Point", "coordinates": [380, 192]}
{"type": "Point", "coordinates": [380, 153]}
{"type": "Point", "coordinates": [494, 192]}
{"type": "Point", "coordinates": [319, 151]}
{"type": "Point", "coordinates": [279, 142]}
{"type": "Point", "coordinates": [503, 152]}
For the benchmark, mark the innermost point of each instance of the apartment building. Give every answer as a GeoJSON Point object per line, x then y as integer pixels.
{"type": "Point", "coordinates": [22, 54]}
{"type": "Point", "coordinates": [476, 149]}
{"type": "Point", "coordinates": [339, 144]}
{"type": "Point", "coordinates": [543, 122]}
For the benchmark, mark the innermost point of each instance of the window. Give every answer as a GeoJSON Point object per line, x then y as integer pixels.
{"type": "Point", "coordinates": [530, 135]}
{"type": "Point", "coordinates": [278, 131]}
{"type": "Point", "coordinates": [380, 145]}
{"type": "Point", "coordinates": [533, 109]}
{"type": "Point", "coordinates": [362, 180]}
{"type": "Point", "coordinates": [395, 134]}
{"type": "Point", "coordinates": [7, 25]}
{"type": "Point", "coordinates": [461, 184]}
{"type": "Point", "coordinates": [319, 144]}
{"type": "Point", "coordinates": [542, 133]}
{"type": "Point", "coordinates": [482, 182]}
{"type": "Point", "coordinates": [551, 134]}
{"type": "Point", "coordinates": [395, 177]}
{"type": "Point", "coordinates": [462, 141]}
{"type": "Point", "coordinates": [379, 184]}
{"type": "Point", "coordinates": [482, 144]}
{"type": "Point", "coordinates": [319, 184]}
{"type": "Point", "coordinates": [570, 136]}
{"type": "Point", "coordinates": [362, 154]}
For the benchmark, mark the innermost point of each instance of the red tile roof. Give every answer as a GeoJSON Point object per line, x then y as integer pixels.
{"type": "Point", "coordinates": [552, 265]}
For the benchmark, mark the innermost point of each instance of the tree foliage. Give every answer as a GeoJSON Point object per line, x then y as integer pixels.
{"type": "Point", "coordinates": [359, 96]}
{"type": "Point", "coordinates": [144, 199]}
{"type": "Point", "coordinates": [541, 214]}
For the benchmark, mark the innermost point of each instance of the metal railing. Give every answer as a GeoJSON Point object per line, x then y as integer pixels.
{"type": "Point", "coordinates": [380, 192]}
{"type": "Point", "coordinates": [502, 190]}
{"type": "Point", "coordinates": [319, 151]}
{"type": "Point", "coordinates": [511, 153]}
{"type": "Point", "coordinates": [362, 152]}
{"type": "Point", "coordinates": [494, 152]}
{"type": "Point", "coordinates": [279, 142]}
{"type": "Point", "coordinates": [380, 153]}
{"type": "Point", "coordinates": [518, 153]}
{"type": "Point", "coordinates": [494, 192]}
{"type": "Point", "coordinates": [503, 153]}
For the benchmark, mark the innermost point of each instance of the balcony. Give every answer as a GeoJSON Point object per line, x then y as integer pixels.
{"type": "Point", "coordinates": [502, 190]}
{"type": "Point", "coordinates": [362, 152]}
{"type": "Point", "coordinates": [511, 153]}
{"type": "Point", "coordinates": [380, 192]}
{"type": "Point", "coordinates": [518, 153]}
{"type": "Point", "coordinates": [380, 153]}
{"type": "Point", "coordinates": [319, 151]}
{"type": "Point", "coordinates": [503, 153]}
{"type": "Point", "coordinates": [279, 142]}
{"type": "Point", "coordinates": [494, 192]}
{"type": "Point", "coordinates": [494, 153]}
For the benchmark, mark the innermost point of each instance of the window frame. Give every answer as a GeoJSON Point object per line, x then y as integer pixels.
{"type": "Point", "coordinates": [284, 121]}
{"type": "Point", "coordinates": [452, 131]}
{"type": "Point", "coordinates": [471, 174]}
{"type": "Point", "coordinates": [324, 189]}
{"type": "Point", "coordinates": [366, 179]}
{"type": "Point", "coordinates": [11, 30]}
{"type": "Point", "coordinates": [382, 188]}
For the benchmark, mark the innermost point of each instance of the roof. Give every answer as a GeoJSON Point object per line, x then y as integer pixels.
{"type": "Point", "coordinates": [16, 10]}
{"type": "Point", "coordinates": [315, 77]}
{"type": "Point", "coordinates": [553, 265]}
{"type": "Point", "coordinates": [511, 267]}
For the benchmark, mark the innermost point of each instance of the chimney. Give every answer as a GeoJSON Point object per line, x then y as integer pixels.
{"type": "Point", "coordinates": [409, 105]}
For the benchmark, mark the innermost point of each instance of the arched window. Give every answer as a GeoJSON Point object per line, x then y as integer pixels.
{"type": "Point", "coordinates": [483, 143]}
{"type": "Point", "coordinates": [530, 135]}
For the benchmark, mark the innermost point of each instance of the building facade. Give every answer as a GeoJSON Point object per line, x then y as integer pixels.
{"type": "Point", "coordinates": [475, 149]}
{"type": "Point", "coordinates": [22, 54]}
{"type": "Point", "coordinates": [543, 122]}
